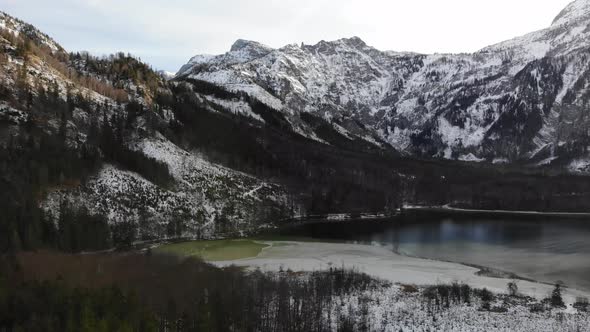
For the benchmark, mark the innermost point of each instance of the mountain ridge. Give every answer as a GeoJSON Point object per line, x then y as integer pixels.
{"type": "Point", "coordinates": [407, 99]}
{"type": "Point", "coordinates": [575, 10]}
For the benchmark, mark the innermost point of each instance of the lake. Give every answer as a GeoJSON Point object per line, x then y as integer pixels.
{"type": "Point", "coordinates": [549, 250]}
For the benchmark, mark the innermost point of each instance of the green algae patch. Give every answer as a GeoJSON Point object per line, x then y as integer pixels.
{"type": "Point", "coordinates": [216, 250]}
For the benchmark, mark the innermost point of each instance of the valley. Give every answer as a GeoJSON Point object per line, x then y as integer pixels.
{"type": "Point", "coordinates": [324, 187]}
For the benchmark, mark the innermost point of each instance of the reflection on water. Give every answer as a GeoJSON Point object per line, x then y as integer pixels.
{"type": "Point", "coordinates": [545, 250]}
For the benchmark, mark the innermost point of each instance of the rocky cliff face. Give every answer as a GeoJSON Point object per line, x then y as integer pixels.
{"type": "Point", "coordinates": [519, 100]}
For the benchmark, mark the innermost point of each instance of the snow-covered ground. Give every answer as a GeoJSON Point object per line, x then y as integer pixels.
{"type": "Point", "coordinates": [391, 308]}
{"type": "Point", "coordinates": [208, 197]}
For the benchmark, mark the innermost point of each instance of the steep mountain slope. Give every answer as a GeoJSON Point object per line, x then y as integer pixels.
{"type": "Point", "coordinates": [80, 133]}
{"type": "Point", "coordinates": [205, 199]}
{"type": "Point", "coordinates": [520, 100]}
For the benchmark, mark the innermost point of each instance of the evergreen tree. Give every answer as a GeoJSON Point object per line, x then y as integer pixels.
{"type": "Point", "coordinates": [512, 288]}
{"type": "Point", "coordinates": [22, 84]}
{"type": "Point", "coordinates": [556, 299]}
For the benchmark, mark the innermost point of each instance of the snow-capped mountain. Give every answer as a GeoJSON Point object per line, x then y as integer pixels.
{"type": "Point", "coordinates": [522, 99]}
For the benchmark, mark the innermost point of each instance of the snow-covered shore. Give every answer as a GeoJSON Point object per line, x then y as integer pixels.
{"type": "Point", "coordinates": [382, 263]}
{"type": "Point", "coordinates": [394, 308]}
{"type": "Point", "coordinates": [449, 208]}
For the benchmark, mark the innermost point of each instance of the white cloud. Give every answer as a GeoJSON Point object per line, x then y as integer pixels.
{"type": "Point", "coordinates": [167, 33]}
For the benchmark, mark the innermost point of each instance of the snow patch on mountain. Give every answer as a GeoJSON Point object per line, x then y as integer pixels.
{"type": "Point", "coordinates": [235, 106]}
{"type": "Point", "coordinates": [207, 197]}
{"type": "Point", "coordinates": [580, 165]}
{"type": "Point", "coordinates": [471, 158]}
{"type": "Point", "coordinates": [11, 115]}
{"type": "Point", "coordinates": [455, 136]}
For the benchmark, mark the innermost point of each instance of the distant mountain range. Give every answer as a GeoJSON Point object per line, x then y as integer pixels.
{"type": "Point", "coordinates": [522, 100]}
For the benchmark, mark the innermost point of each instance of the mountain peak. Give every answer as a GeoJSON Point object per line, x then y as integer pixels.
{"type": "Point", "coordinates": [241, 51]}
{"type": "Point", "coordinates": [575, 11]}
{"type": "Point", "coordinates": [354, 41]}
{"type": "Point", "coordinates": [241, 44]}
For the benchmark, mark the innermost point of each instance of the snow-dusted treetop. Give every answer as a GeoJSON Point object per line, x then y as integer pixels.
{"type": "Point", "coordinates": [17, 26]}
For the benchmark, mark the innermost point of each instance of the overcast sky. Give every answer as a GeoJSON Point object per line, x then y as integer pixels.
{"type": "Point", "coordinates": [166, 33]}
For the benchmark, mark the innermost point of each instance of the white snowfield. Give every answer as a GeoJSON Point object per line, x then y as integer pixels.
{"type": "Point", "coordinates": [382, 263]}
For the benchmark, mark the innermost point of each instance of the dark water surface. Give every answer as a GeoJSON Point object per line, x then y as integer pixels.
{"type": "Point", "coordinates": [548, 250]}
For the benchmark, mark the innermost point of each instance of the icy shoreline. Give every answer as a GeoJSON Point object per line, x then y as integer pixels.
{"type": "Point", "coordinates": [382, 263]}
{"type": "Point", "coordinates": [449, 208]}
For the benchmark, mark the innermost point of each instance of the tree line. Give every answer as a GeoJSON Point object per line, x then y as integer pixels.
{"type": "Point", "coordinates": [157, 293]}
{"type": "Point", "coordinates": [60, 61]}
